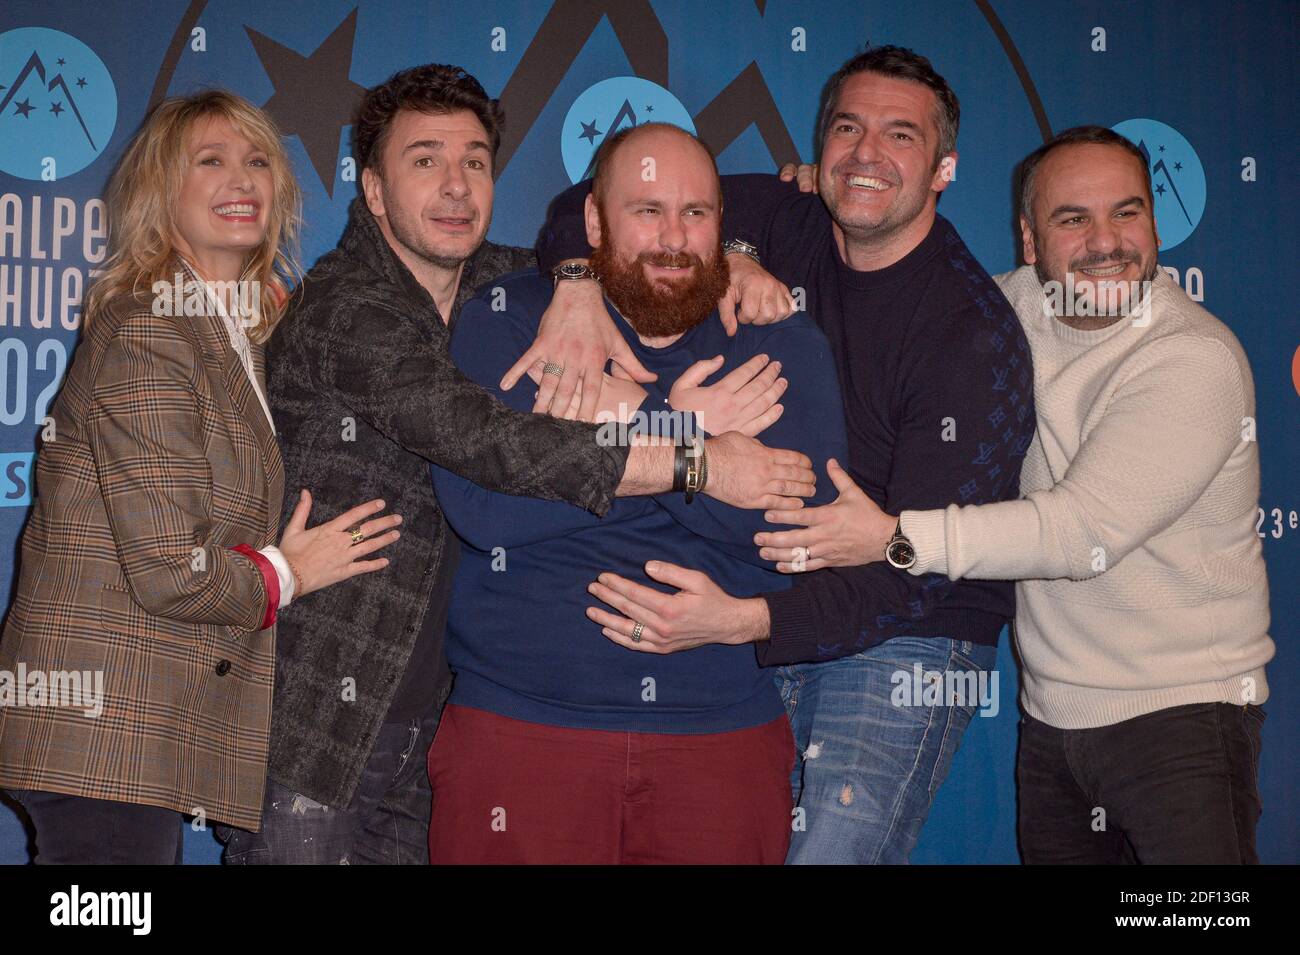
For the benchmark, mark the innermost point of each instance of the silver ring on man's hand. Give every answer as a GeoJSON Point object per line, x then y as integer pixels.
{"type": "Point", "coordinates": [551, 368]}
{"type": "Point", "coordinates": [637, 631]}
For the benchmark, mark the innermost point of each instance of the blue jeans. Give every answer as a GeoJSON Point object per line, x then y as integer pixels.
{"type": "Point", "coordinates": [387, 822]}
{"type": "Point", "coordinates": [873, 745]}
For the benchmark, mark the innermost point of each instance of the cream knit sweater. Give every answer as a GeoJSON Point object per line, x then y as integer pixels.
{"type": "Point", "coordinates": [1141, 580]}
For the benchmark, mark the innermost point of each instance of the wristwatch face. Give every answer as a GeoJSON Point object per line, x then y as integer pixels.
{"type": "Point", "coordinates": [901, 554]}
{"type": "Point", "coordinates": [573, 271]}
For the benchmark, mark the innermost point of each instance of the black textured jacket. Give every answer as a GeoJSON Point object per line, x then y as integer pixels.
{"type": "Point", "coordinates": [365, 396]}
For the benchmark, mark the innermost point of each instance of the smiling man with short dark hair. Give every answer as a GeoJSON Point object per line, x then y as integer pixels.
{"type": "Point", "coordinates": [1143, 615]}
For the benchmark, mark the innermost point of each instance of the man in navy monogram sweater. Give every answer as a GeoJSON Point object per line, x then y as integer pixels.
{"type": "Point", "coordinates": [938, 401]}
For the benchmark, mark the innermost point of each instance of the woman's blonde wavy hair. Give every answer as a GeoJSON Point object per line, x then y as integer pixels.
{"type": "Point", "coordinates": [142, 198]}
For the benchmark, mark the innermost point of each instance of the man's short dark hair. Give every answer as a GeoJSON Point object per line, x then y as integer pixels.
{"type": "Point", "coordinates": [611, 144]}
{"type": "Point", "coordinates": [1077, 136]}
{"type": "Point", "coordinates": [899, 63]}
{"type": "Point", "coordinates": [433, 88]}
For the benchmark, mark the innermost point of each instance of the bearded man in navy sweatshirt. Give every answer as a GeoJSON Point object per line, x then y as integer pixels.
{"type": "Point", "coordinates": [938, 400]}
{"type": "Point", "coordinates": [558, 746]}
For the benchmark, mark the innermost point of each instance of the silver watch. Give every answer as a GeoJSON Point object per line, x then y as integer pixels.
{"type": "Point", "coordinates": [899, 550]}
{"type": "Point", "coordinates": [573, 272]}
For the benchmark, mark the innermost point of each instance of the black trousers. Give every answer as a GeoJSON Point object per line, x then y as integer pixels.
{"type": "Point", "coordinates": [1177, 786]}
{"type": "Point", "coordinates": [78, 830]}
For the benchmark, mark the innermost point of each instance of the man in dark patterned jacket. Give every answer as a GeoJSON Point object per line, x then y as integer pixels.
{"type": "Point", "coordinates": [365, 396]}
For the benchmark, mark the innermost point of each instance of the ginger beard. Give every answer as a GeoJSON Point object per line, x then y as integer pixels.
{"type": "Point", "coordinates": [662, 308]}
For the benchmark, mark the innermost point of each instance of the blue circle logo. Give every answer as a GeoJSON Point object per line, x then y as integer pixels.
{"type": "Point", "coordinates": [1177, 177]}
{"type": "Point", "coordinates": [606, 108]}
{"type": "Point", "coordinates": [58, 105]}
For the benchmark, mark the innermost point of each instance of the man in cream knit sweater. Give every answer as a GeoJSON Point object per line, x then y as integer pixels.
{"type": "Point", "coordinates": [1142, 604]}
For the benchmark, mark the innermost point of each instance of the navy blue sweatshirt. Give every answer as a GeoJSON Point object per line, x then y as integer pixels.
{"type": "Point", "coordinates": [938, 400]}
{"type": "Point", "coordinates": [518, 636]}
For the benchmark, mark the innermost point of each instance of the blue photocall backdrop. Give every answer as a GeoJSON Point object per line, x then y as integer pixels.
{"type": "Point", "coordinates": [1209, 89]}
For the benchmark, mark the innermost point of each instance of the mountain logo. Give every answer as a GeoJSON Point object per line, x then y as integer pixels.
{"type": "Point", "coordinates": [57, 101]}
{"type": "Point", "coordinates": [606, 108]}
{"type": "Point", "coordinates": [1177, 177]}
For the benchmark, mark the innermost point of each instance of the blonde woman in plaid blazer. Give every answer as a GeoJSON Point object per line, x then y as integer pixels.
{"type": "Point", "coordinates": [149, 578]}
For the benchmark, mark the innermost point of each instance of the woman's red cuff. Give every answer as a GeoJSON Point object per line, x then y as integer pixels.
{"type": "Point", "coordinates": [271, 580]}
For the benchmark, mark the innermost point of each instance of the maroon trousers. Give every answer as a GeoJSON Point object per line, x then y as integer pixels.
{"type": "Point", "coordinates": [511, 792]}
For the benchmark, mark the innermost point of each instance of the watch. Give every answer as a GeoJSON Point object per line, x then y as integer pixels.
{"type": "Point", "coordinates": [741, 246]}
{"type": "Point", "coordinates": [573, 272]}
{"type": "Point", "coordinates": [899, 550]}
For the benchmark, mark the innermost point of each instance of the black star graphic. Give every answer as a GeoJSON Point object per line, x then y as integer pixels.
{"type": "Point", "coordinates": [56, 109]}
{"type": "Point", "coordinates": [649, 108]}
{"type": "Point", "coordinates": [23, 108]}
{"type": "Point", "coordinates": [1160, 189]}
{"type": "Point", "coordinates": [1162, 148]}
{"type": "Point", "coordinates": [62, 62]}
{"type": "Point", "coordinates": [589, 131]}
{"type": "Point", "coordinates": [314, 98]}
{"type": "Point", "coordinates": [1178, 167]}
{"type": "Point", "coordinates": [81, 81]}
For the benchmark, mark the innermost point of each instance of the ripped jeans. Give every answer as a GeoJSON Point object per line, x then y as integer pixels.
{"type": "Point", "coordinates": [387, 822]}
{"type": "Point", "coordinates": [872, 747]}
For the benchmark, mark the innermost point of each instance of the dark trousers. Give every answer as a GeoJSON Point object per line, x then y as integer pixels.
{"type": "Point", "coordinates": [386, 823]}
{"type": "Point", "coordinates": [1177, 786]}
{"type": "Point", "coordinates": [78, 830]}
{"type": "Point", "coordinates": [514, 792]}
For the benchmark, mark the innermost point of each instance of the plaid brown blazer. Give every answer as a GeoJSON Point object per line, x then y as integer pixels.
{"type": "Point", "coordinates": [162, 459]}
